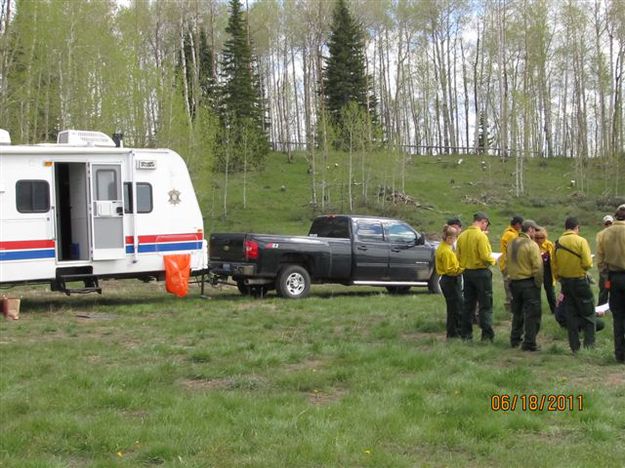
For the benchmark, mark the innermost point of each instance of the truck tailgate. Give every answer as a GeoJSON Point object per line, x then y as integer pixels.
{"type": "Point", "coordinates": [227, 247]}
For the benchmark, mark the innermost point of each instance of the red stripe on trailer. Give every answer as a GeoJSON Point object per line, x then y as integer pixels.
{"type": "Point", "coordinates": [158, 238]}
{"type": "Point", "coordinates": [29, 244]}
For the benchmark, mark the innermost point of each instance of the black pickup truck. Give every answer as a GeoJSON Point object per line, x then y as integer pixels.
{"type": "Point", "coordinates": [349, 250]}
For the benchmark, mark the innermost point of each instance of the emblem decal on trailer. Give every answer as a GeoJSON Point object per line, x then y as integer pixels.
{"type": "Point", "coordinates": [174, 197]}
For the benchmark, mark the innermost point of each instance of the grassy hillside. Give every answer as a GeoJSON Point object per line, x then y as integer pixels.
{"type": "Point", "coordinates": [279, 198]}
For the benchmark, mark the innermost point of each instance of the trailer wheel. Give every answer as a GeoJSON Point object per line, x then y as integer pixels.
{"type": "Point", "coordinates": [398, 289]}
{"type": "Point", "coordinates": [434, 284]}
{"type": "Point", "coordinates": [293, 282]}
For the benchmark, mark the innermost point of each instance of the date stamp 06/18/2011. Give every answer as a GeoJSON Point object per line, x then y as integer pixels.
{"type": "Point", "coordinates": [536, 402]}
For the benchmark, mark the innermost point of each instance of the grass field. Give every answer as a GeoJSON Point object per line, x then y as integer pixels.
{"type": "Point", "coordinates": [347, 377]}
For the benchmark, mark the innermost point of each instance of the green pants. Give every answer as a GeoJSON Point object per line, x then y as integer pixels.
{"type": "Point", "coordinates": [526, 313]}
{"type": "Point", "coordinates": [580, 311]}
{"type": "Point", "coordinates": [478, 288]}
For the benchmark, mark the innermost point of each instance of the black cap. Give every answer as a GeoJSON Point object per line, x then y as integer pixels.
{"type": "Point", "coordinates": [479, 216]}
{"type": "Point", "coordinates": [455, 221]}
{"type": "Point", "coordinates": [516, 219]}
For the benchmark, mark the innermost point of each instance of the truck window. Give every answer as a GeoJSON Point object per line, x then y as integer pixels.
{"type": "Point", "coordinates": [337, 228]}
{"type": "Point", "coordinates": [369, 231]}
{"type": "Point", "coordinates": [401, 233]}
{"type": "Point", "coordinates": [144, 197]}
{"type": "Point", "coordinates": [32, 196]}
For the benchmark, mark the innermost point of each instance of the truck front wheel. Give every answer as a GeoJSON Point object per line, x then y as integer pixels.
{"type": "Point", "coordinates": [293, 282]}
{"type": "Point", "coordinates": [434, 285]}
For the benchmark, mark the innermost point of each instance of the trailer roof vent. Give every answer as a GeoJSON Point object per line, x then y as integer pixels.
{"type": "Point", "coordinates": [5, 138]}
{"type": "Point", "coordinates": [84, 138]}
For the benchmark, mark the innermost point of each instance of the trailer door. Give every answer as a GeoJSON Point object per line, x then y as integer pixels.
{"type": "Point", "coordinates": [107, 212]}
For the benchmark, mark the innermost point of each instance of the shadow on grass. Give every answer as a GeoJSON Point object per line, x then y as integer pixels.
{"type": "Point", "coordinates": [46, 301]}
{"type": "Point", "coordinates": [356, 293]}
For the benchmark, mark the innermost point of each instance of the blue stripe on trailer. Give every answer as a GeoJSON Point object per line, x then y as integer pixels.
{"type": "Point", "coordinates": [151, 248]}
{"type": "Point", "coordinates": [25, 254]}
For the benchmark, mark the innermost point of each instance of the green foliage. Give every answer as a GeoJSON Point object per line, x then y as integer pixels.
{"type": "Point", "coordinates": [344, 75]}
{"type": "Point", "coordinates": [484, 138]}
{"type": "Point", "coordinates": [240, 108]}
{"type": "Point", "coordinates": [195, 72]}
{"type": "Point", "coordinates": [82, 65]}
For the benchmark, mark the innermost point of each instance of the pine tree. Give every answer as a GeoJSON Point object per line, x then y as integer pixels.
{"type": "Point", "coordinates": [344, 76]}
{"type": "Point", "coordinates": [206, 78]}
{"type": "Point", "coordinates": [240, 109]}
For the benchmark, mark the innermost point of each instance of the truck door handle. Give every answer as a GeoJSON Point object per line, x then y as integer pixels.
{"type": "Point", "coordinates": [395, 249]}
{"type": "Point", "coordinates": [120, 210]}
{"type": "Point", "coordinates": [362, 247]}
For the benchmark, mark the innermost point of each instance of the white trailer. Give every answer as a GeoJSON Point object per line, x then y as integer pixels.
{"type": "Point", "coordinates": [86, 208]}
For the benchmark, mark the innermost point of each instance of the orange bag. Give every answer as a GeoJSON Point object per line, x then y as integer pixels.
{"type": "Point", "coordinates": [177, 270]}
{"type": "Point", "coordinates": [11, 308]}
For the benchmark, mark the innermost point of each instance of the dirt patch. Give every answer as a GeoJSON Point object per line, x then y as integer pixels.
{"type": "Point", "coordinates": [602, 376]}
{"type": "Point", "coordinates": [256, 304]}
{"type": "Point", "coordinates": [325, 397]}
{"type": "Point", "coordinates": [615, 379]}
{"type": "Point", "coordinates": [309, 364]}
{"type": "Point", "coordinates": [206, 384]}
{"type": "Point", "coordinates": [139, 414]}
{"type": "Point", "coordinates": [424, 338]}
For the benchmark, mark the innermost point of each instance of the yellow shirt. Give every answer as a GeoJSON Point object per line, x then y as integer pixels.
{"type": "Point", "coordinates": [568, 265]}
{"type": "Point", "coordinates": [473, 249]}
{"type": "Point", "coordinates": [446, 260]}
{"type": "Point", "coordinates": [549, 249]}
{"type": "Point", "coordinates": [611, 248]}
{"type": "Point", "coordinates": [509, 234]}
{"type": "Point", "coordinates": [524, 260]}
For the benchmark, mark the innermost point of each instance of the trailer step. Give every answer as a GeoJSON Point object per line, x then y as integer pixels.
{"type": "Point", "coordinates": [90, 282]}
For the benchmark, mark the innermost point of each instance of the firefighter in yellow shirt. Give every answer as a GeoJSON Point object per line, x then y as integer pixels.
{"type": "Point", "coordinates": [511, 232]}
{"type": "Point", "coordinates": [604, 293]}
{"type": "Point", "coordinates": [448, 267]}
{"type": "Point", "coordinates": [475, 257]}
{"type": "Point", "coordinates": [611, 261]}
{"type": "Point", "coordinates": [547, 251]}
{"type": "Point", "coordinates": [572, 262]}
{"type": "Point", "coordinates": [525, 270]}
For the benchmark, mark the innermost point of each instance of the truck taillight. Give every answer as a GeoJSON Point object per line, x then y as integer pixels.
{"type": "Point", "coordinates": [251, 250]}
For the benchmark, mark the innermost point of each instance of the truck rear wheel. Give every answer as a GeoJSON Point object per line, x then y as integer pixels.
{"type": "Point", "coordinates": [293, 282]}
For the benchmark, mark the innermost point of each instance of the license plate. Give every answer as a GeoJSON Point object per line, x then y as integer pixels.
{"type": "Point", "coordinates": [226, 266]}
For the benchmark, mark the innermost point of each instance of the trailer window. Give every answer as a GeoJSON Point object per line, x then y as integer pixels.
{"type": "Point", "coordinates": [32, 196]}
{"type": "Point", "coordinates": [144, 197]}
{"type": "Point", "coordinates": [106, 185]}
